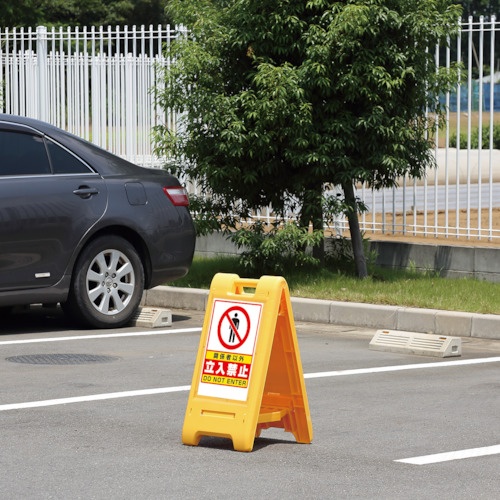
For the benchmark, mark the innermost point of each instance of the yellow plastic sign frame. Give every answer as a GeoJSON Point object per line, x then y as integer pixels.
{"type": "Point", "coordinates": [248, 373]}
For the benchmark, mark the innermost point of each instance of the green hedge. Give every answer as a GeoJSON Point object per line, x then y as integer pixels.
{"type": "Point", "coordinates": [474, 139]}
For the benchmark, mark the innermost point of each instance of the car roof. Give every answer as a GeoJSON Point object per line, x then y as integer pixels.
{"type": "Point", "coordinates": [101, 160]}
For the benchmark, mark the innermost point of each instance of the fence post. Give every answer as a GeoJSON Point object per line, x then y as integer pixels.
{"type": "Point", "coordinates": [41, 51]}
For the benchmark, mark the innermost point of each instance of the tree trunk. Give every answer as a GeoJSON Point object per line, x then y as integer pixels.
{"type": "Point", "coordinates": [312, 212]}
{"type": "Point", "coordinates": [356, 238]}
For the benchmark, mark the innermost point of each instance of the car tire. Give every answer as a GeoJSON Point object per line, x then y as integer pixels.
{"type": "Point", "coordinates": [107, 283]}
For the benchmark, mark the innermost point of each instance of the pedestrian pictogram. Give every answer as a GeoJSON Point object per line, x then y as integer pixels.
{"type": "Point", "coordinates": [248, 375]}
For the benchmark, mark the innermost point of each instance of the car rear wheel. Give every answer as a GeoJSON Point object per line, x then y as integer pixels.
{"type": "Point", "coordinates": [108, 283]}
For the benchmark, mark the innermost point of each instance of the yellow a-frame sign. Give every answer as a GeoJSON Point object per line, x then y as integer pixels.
{"type": "Point", "coordinates": [248, 374]}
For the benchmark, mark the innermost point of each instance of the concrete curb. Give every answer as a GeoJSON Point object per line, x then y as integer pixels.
{"type": "Point", "coordinates": [456, 324]}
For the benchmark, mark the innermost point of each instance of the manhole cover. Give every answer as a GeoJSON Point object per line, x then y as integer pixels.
{"type": "Point", "coordinates": [61, 359]}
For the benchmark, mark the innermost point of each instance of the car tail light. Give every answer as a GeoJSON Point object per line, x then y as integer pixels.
{"type": "Point", "coordinates": [177, 195]}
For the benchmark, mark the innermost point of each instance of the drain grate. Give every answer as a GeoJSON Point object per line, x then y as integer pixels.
{"type": "Point", "coordinates": [61, 359]}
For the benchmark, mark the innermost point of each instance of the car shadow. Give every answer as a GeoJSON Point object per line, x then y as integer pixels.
{"type": "Point", "coordinates": [49, 319]}
{"type": "Point", "coordinates": [34, 319]}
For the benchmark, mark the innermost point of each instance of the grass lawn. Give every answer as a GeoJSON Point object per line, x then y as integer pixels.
{"type": "Point", "coordinates": [389, 287]}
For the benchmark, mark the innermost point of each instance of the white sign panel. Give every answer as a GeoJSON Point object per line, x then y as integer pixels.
{"type": "Point", "coordinates": [232, 336]}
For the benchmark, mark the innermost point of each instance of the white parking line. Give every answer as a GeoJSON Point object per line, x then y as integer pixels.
{"type": "Point", "coordinates": [101, 336]}
{"type": "Point", "coordinates": [419, 366]}
{"type": "Point", "coordinates": [95, 397]}
{"type": "Point", "coordinates": [452, 455]}
{"type": "Point", "coordinates": [163, 390]}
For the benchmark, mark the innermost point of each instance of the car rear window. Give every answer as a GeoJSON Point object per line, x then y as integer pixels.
{"type": "Point", "coordinates": [63, 162]}
{"type": "Point", "coordinates": [22, 154]}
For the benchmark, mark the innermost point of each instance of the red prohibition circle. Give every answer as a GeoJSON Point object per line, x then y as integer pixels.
{"type": "Point", "coordinates": [240, 338]}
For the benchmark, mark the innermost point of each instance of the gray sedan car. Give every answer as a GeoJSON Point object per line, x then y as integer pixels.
{"type": "Point", "coordinates": [85, 228]}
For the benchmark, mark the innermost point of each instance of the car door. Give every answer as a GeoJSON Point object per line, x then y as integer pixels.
{"type": "Point", "coordinates": [49, 199]}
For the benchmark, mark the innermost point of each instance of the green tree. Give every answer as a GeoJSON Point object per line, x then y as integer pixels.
{"type": "Point", "coordinates": [88, 13]}
{"type": "Point", "coordinates": [280, 99]}
{"type": "Point", "coordinates": [20, 13]}
{"type": "Point", "coordinates": [479, 7]}
{"type": "Point", "coordinates": [149, 12]}
{"type": "Point", "coordinates": [77, 13]}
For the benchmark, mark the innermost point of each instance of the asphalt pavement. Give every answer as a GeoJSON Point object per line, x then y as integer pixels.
{"type": "Point", "coordinates": [98, 414]}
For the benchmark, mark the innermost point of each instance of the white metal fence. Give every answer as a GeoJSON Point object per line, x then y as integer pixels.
{"type": "Point", "coordinates": [97, 84]}
{"type": "Point", "coordinates": [461, 199]}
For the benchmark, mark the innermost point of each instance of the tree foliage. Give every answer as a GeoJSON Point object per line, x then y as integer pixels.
{"type": "Point", "coordinates": [480, 7]}
{"type": "Point", "coordinates": [279, 99]}
{"type": "Point", "coordinates": [20, 13]}
{"type": "Point", "coordinates": [275, 249]}
{"type": "Point", "coordinates": [26, 13]}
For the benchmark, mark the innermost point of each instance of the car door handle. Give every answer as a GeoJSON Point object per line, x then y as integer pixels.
{"type": "Point", "coordinates": [85, 192]}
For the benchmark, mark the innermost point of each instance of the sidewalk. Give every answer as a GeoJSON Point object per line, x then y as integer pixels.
{"type": "Point", "coordinates": [456, 324]}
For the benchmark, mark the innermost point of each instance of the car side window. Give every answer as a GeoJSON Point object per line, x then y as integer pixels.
{"type": "Point", "coordinates": [22, 153]}
{"type": "Point", "coordinates": [63, 162]}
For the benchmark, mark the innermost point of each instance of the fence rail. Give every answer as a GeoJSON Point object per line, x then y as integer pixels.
{"type": "Point", "coordinates": [97, 83]}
